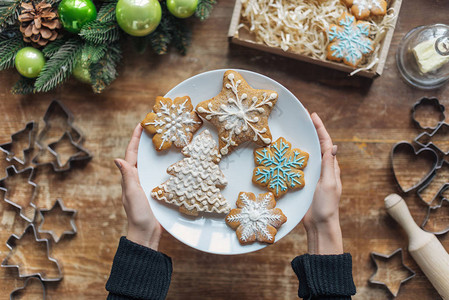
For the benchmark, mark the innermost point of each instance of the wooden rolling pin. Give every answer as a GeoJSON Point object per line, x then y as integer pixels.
{"type": "Point", "coordinates": [424, 247]}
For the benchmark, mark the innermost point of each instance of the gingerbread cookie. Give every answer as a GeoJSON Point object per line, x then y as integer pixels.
{"type": "Point", "coordinates": [172, 122]}
{"type": "Point", "coordinates": [280, 167]}
{"type": "Point", "coordinates": [256, 218]}
{"type": "Point", "coordinates": [349, 40]}
{"type": "Point", "coordinates": [195, 181]}
{"type": "Point", "coordinates": [362, 9]}
{"type": "Point", "coordinates": [239, 112]}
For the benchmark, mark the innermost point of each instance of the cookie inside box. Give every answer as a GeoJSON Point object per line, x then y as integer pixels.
{"type": "Point", "coordinates": [299, 29]}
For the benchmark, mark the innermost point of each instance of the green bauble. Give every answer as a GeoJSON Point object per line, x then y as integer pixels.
{"type": "Point", "coordinates": [182, 8]}
{"type": "Point", "coordinates": [75, 13]}
{"type": "Point", "coordinates": [29, 62]}
{"type": "Point", "coordinates": [138, 17]}
{"type": "Point", "coordinates": [81, 72]}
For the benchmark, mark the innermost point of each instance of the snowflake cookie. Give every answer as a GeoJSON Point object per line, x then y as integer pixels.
{"type": "Point", "coordinates": [195, 181]}
{"type": "Point", "coordinates": [239, 112]}
{"type": "Point", "coordinates": [362, 9]}
{"type": "Point", "coordinates": [255, 218]}
{"type": "Point", "coordinates": [280, 167]}
{"type": "Point", "coordinates": [349, 40]}
{"type": "Point", "coordinates": [172, 122]}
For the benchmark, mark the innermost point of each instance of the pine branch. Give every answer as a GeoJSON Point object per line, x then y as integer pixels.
{"type": "Point", "coordinates": [204, 9]}
{"type": "Point", "coordinates": [53, 47]}
{"type": "Point", "coordinates": [59, 67]}
{"type": "Point", "coordinates": [23, 86]}
{"type": "Point", "coordinates": [92, 53]}
{"type": "Point", "coordinates": [9, 11]}
{"type": "Point", "coordinates": [104, 72]}
{"type": "Point", "coordinates": [161, 38]}
{"type": "Point", "coordinates": [100, 32]}
{"type": "Point", "coordinates": [8, 50]}
{"type": "Point", "coordinates": [107, 11]}
{"type": "Point", "coordinates": [181, 36]}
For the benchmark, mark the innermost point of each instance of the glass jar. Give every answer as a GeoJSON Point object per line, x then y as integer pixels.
{"type": "Point", "coordinates": [437, 36]}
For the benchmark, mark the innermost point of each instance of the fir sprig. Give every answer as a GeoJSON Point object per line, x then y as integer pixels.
{"type": "Point", "coordinates": [105, 71]}
{"type": "Point", "coordinates": [8, 50]}
{"type": "Point", "coordinates": [9, 12]}
{"type": "Point", "coordinates": [92, 53]}
{"type": "Point", "coordinates": [107, 11]}
{"type": "Point", "coordinates": [181, 36]}
{"type": "Point", "coordinates": [204, 9]}
{"type": "Point", "coordinates": [23, 86]}
{"type": "Point", "coordinates": [100, 32]}
{"type": "Point", "coordinates": [59, 67]}
{"type": "Point", "coordinates": [53, 47]}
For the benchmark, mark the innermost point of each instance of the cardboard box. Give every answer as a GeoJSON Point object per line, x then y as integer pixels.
{"type": "Point", "coordinates": [245, 38]}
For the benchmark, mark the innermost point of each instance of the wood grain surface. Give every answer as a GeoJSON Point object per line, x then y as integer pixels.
{"type": "Point", "coordinates": [365, 118]}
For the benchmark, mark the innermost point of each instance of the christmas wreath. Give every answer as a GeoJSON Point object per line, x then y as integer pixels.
{"type": "Point", "coordinates": [49, 40]}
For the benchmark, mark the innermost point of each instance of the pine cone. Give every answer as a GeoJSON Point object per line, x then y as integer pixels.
{"type": "Point", "coordinates": [39, 23]}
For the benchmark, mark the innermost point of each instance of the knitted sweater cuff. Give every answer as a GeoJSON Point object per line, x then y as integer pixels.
{"type": "Point", "coordinates": [324, 276]}
{"type": "Point", "coordinates": [139, 272]}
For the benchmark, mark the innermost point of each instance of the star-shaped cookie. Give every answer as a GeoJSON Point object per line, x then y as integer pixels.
{"type": "Point", "coordinates": [239, 112]}
{"type": "Point", "coordinates": [256, 218]}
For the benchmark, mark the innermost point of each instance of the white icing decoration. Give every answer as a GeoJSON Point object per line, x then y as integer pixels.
{"type": "Point", "coordinates": [255, 217]}
{"type": "Point", "coordinates": [195, 179]}
{"type": "Point", "coordinates": [174, 122]}
{"type": "Point", "coordinates": [366, 5]}
{"type": "Point", "coordinates": [238, 116]}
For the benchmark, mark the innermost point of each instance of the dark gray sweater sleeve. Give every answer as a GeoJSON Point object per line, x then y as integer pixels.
{"type": "Point", "coordinates": [324, 277]}
{"type": "Point", "coordinates": [138, 272]}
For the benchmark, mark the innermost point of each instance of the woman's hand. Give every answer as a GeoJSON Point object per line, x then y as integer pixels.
{"type": "Point", "coordinates": [143, 228]}
{"type": "Point", "coordinates": [322, 221]}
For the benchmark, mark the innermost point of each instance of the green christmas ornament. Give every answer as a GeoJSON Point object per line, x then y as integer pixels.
{"type": "Point", "coordinates": [138, 17]}
{"type": "Point", "coordinates": [29, 62]}
{"type": "Point", "coordinates": [182, 8]}
{"type": "Point", "coordinates": [81, 72]}
{"type": "Point", "coordinates": [75, 13]}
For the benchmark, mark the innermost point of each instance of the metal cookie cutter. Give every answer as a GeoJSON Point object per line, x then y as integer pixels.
{"type": "Point", "coordinates": [442, 188]}
{"type": "Point", "coordinates": [428, 102]}
{"type": "Point", "coordinates": [444, 202]}
{"type": "Point", "coordinates": [425, 139]}
{"type": "Point", "coordinates": [31, 128]}
{"type": "Point", "coordinates": [11, 243]}
{"type": "Point", "coordinates": [61, 206]}
{"type": "Point", "coordinates": [372, 279]}
{"type": "Point", "coordinates": [11, 171]}
{"type": "Point", "coordinates": [406, 146]}
{"type": "Point", "coordinates": [17, 291]}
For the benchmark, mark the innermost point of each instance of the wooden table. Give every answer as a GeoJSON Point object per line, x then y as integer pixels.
{"type": "Point", "coordinates": [365, 118]}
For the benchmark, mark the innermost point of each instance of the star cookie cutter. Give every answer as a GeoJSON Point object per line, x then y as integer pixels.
{"type": "Point", "coordinates": [31, 127]}
{"type": "Point", "coordinates": [59, 203]}
{"type": "Point", "coordinates": [11, 243]}
{"type": "Point", "coordinates": [18, 290]}
{"type": "Point", "coordinates": [10, 170]}
{"type": "Point", "coordinates": [386, 257]}
{"type": "Point", "coordinates": [428, 102]}
{"type": "Point", "coordinates": [443, 202]}
{"type": "Point", "coordinates": [432, 154]}
{"type": "Point", "coordinates": [425, 139]}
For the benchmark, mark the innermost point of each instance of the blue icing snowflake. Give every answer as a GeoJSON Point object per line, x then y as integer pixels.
{"type": "Point", "coordinates": [349, 40]}
{"type": "Point", "coordinates": [280, 167]}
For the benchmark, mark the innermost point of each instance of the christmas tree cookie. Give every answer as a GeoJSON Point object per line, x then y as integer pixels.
{"type": "Point", "coordinates": [279, 167]}
{"type": "Point", "coordinates": [172, 122]}
{"type": "Point", "coordinates": [239, 112]}
{"type": "Point", "coordinates": [196, 180]}
{"type": "Point", "coordinates": [349, 41]}
{"type": "Point", "coordinates": [255, 219]}
{"type": "Point", "coordinates": [362, 9]}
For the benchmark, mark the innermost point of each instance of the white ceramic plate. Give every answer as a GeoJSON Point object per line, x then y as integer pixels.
{"type": "Point", "coordinates": [208, 233]}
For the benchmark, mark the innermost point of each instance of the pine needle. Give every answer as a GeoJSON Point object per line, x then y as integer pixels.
{"type": "Point", "coordinates": [23, 86]}
{"type": "Point", "coordinates": [100, 32]}
{"type": "Point", "coordinates": [53, 47]}
{"type": "Point", "coordinates": [8, 50]}
{"type": "Point", "coordinates": [9, 12]}
{"type": "Point", "coordinates": [204, 9]}
{"type": "Point", "coordinates": [104, 72]}
{"type": "Point", "coordinates": [92, 53]}
{"type": "Point", "coordinates": [59, 67]}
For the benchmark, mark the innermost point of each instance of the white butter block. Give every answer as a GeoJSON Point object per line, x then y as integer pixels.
{"type": "Point", "coordinates": [427, 58]}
